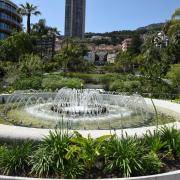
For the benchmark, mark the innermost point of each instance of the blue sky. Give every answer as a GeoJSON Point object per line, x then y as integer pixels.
{"type": "Point", "coordinates": [108, 15]}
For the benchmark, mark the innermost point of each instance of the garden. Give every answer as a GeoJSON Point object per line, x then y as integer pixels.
{"type": "Point", "coordinates": [65, 155]}
{"type": "Point", "coordinates": [43, 92]}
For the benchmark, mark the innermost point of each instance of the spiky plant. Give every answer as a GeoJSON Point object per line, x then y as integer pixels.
{"type": "Point", "coordinates": [123, 155]}
{"type": "Point", "coordinates": [49, 160]}
{"type": "Point", "coordinates": [172, 137]}
{"type": "Point", "coordinates": [14, 160]}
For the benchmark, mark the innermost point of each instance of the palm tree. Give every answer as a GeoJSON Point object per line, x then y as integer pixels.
{"type": "Point", "coordinates": [42, 29]}
{"type": "Point", "coordinates": [176, 14]}
{"type": "Point", "coordinates": [173, 25]}
{"type": "Point", "coordinates": [28, 10]}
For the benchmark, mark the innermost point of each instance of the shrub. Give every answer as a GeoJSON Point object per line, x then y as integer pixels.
{"type": "Point", "coordinates": [124, 86]}
{"type": "Point", "coordinates": [49, 160]}
{"type": "Point", "coordinates": [87, 150]}
{"type": "Point", "coordinates": [123, 155]}
{"type": "Point", "coordinates": [172, 137]}
{"type": "Point", "coordinates": [151, 164]}
{"type": "Point", "coordinates": [14, 160]}
{"type": "Point", "coordinates": [30, 65]}
{"type": "Point", "coordinates": [153, 142]}
{"type": "Point", "coordinates": [174, 74]}
{"type": "Point", "coordinates": [56, 82]}
{"type": "Point", "coordinates": [28, 83]}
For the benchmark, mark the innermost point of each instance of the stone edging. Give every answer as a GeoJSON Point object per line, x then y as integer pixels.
{"type": "Point", "coordinates": [175, 175]}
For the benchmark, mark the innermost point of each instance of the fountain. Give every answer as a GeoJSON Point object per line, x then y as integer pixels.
{"type": "Point", "coordinates": [80, 108]}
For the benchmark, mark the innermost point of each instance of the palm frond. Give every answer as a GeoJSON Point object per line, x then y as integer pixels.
{"type": "Point", "coordinates": [176, 14]}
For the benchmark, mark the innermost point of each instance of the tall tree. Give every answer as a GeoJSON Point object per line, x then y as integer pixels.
{"type": "Point", "coordinates": [172, 28]}
{"type": "Point", "coordinates": [135, 48]}
{"type": "Point", "coordinates": [28, 10]}
{"type": "Point", "coordinates": [71, 56]}
{"type": "Point", "coordinates": [41, 29]}
{"type": "Point", "coordinates": [16, 45]}
{"type": "Point", "coordinates": [176, 14]}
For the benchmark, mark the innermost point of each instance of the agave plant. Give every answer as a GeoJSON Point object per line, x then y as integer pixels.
{"type": "Point", "coordinates": [14, 160]}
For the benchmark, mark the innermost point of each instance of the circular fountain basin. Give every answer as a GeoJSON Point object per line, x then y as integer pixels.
{"type": "Point", "coordinates": [78, 109]}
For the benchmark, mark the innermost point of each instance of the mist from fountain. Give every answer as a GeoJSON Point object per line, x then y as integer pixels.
{"type": "Point", "coordinates": [79, 105]}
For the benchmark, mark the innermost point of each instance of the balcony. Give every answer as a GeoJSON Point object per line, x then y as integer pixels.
{"type": "Point", "coordinates": [5, 30]}
{"type": "Point", "coordinates": [10, 10]}
{"type": "Point", "coordinates": [10, 21]}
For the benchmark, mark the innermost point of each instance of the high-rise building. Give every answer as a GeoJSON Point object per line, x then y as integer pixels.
{"type": "Point", "coordinates": [9, 18]}
{"type": "Point", "coordinates": [75, 18]}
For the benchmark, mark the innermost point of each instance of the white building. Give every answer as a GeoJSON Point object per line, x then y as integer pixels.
{"type": "Point", "coordinates": [90, 57]}
{"type": "Point", "coordinates": [161, 40]}
{"type": "Point", "coordinates": [126, 44]}
{"type": "Point", "coordinates": [111, 58]}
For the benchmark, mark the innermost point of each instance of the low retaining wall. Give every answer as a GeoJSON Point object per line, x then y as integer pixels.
{"type": "Point", "coordinates": [22, 133]}
{"type": "Point", "coordinates": [166, 176]}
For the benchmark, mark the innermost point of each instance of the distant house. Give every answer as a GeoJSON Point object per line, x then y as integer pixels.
{"type": "Point", "coordinates": [126, 44]}
{"type": "Point", "coordinates": [161, 40]}
{"type": "Point", "coordinates": [101, 58]}
{"type": "Point", "coordinates": [58, 44]}
{"type": "Point", "coordinates": [95, 38]}
{"type": "Point", "coordinates": [111, 58]}
{"type": "Point", "coordinates": [45, 47]}
{"type": "Point", "coordinates": [90, 57]}
{"type": "Point", "coordinates": [104, 47]}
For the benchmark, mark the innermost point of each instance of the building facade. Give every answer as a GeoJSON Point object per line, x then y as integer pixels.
{"type": "Point", "coordinates": [9, 18]}
{"type": "Point", "coordinates": [75, 11]}
{"type": "Point", "coordinates": [126, 44]}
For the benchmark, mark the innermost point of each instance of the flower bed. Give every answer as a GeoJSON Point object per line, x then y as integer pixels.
{"type": "Point", "coordinates": [61, 155]}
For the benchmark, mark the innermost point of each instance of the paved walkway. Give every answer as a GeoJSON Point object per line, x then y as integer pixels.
{"type": "Point", "coordinates": [167, 107]}
{"type": "Point", "coordinates": [14, 132]}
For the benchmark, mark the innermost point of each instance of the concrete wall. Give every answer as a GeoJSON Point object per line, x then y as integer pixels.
{"type": "Point", "coordinates": [167, 176]}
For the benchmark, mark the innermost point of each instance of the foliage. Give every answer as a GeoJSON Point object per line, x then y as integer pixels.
{"type": "Point", "coordinates": [50, 158]}
{"type": "Point", "coordinates": [123, 155]}
{"type": "Point", "coordinates": [135, 48]}
{"type": "Point", "coordinates": [54, 82]}
{"type": "Point", "coordinates": [156, 63]}
{"type": "Point", "coordinates": [30, 65]}
{"type": "Point", "coordinates": [33, 82]}
{"type": "Point", "coordinates": [151, 164]}
{"type": "Point", "coordinates": [41, 29]}
{"type": "Point", "coordinates": [174, 74]}
{"type": "Point", "coordinates": [87, 150]}
{"type": "Point", "coordinates": [153, 142]}
{"type": "Point", "coordinates": [15, 46]}
{"type": "Point", "coordinates": [60, 155]}
{"type": "Point", "coordinates": [28, 10]}
{"type": "Point", "coordinates": [14, 160]}
{"type": "Point", "coordinates": [172, 137]}
{"type": "Point", "coordinates": [124, 86]}
{"type": "Point", "coordinates": [124, 61]}
{"type": "Point", "coordinates": [176, 14]}
{"type": "Point", "coordinates": [71, 56]}
{"type": "Point", "coordinates": [172, 29]}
